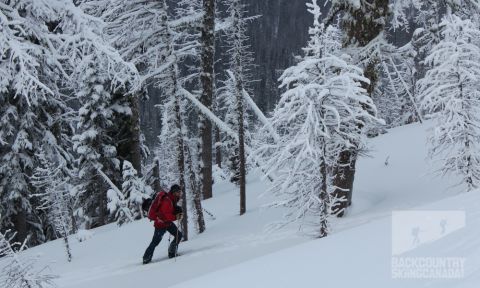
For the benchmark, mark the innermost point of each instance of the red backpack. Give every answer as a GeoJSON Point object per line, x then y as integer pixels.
{"type": "Point", "coordinates": [152, 215]}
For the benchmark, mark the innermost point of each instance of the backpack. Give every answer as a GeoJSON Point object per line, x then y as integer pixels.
{"type": "Point", "coordinates": [147, 202]}
{"type": "Point", "coordinates": [151, 204]}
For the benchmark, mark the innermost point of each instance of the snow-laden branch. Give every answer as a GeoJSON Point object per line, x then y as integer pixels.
{"type": "Point", "coordinates": [261, 116]}
{"type": "Point", "coordinates": [206, 112]}
{"type": "Point", "coordinates": [257, 111]}
{"type": "Point", "coordinates": [419, 115]}
{"type": "Point", "coordinates": [221, 125]}
{"type": "Point", "coordinates": [114, 188]}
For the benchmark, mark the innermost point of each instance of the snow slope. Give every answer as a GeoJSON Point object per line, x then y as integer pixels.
{"type": "Point", "coordinates": [238, 252]}
{"type": "Point", "coordinates": [358, 257]}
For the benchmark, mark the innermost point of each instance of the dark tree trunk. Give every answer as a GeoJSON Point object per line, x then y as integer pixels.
{"type": "Point", "coordinates": [128, 134]}
{"type": "Point", "coordinates": [323, 197]}
{"type": "Point", "coordinates": [241, 149]}
{"type": "Point", "coordinates": [344, 174]}
{"type": "Point", "coordinates": [20, 223]}
{"type": "Point", "coordinates": [67, 245]}
{"type": "Point", "coordinates": [207, 78]}
{"type": "Point", "coordinates": [156, 176]}
{"type": "Point", "coordinates": [103, 213]}
{"type": "Point", "coordinates": [136, 145]}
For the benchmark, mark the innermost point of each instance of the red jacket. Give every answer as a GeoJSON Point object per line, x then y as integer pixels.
{"type": "Point", "coordinates": [163, 209]}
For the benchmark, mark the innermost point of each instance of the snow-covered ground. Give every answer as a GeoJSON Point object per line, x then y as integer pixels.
{"type": "Point", "coordinates": [237, 251]}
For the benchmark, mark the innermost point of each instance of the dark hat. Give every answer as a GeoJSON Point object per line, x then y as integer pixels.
{"type": "Point", "coordinates": [175, 188]}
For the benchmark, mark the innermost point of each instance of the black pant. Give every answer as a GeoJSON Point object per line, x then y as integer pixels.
{"type": "Point", "coordinates": [157, 237]}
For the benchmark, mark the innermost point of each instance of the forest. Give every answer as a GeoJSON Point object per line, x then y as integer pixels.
{"type": "Point", "coordinates": [103, 103]}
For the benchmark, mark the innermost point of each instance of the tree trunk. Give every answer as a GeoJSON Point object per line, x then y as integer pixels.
{"type": "Point", "coordinates": [181, 169]}
{"type": "Point", "coordinates": [197, 195]}
{"type": "Point", "coordinates": [323, 197]}
{"type": "Point", "coordinates": [67, 245]}
{"type": "Point", "coordinates": [363, 24]}
{"type": "Point", "coordinates": [241, 149]}
{"type": "Point", "coordinates": [180, 157]}
{"type": "Point", "coordinates": [205, 126]}
{"type": "Point", "coordinates": [103, 213]}
{"type": "Point", "coordinates": [20, 223]}
{"type": "Point", "coordinates": [156, 176]}
{"type": "Point", "coordinates": [344, 175]}
{"type": "Point", "coordinates": [136, 149]}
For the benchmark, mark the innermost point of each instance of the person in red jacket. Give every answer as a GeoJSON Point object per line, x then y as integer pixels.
{"type": "Point", "coordinates": [164, 211]}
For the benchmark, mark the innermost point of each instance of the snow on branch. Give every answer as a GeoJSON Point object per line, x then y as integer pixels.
{"type": "Point", "coordinates": [117, 201]}
{"type": "Point", "coordinates": [261, 116]}
{"type": "Point", "coordinates": [221, 125]}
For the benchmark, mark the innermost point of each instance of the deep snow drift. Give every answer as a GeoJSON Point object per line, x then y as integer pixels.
{"type": "Point", "coordinates": [237, 251]}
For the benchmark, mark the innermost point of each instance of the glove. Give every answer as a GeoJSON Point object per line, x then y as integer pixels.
{"type": "Point", "coordinates": [179, 216]}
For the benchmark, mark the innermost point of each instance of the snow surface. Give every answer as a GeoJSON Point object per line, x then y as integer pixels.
{"type": "Point", "coordinates": [237, 251]}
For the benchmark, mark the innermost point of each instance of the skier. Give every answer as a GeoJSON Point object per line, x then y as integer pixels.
{"type": "Point", "coordinates": [164, 211]}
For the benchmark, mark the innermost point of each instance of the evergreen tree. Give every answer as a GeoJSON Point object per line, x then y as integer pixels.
{"type": "Point", "coordinates": [363, 24]}
{"type": "Point", "coordinates": [317, 118]}
{"type": "Point", "coordinates": [17, 164]}
{"type": "Point", "coordinates": [55, 192]}
{"type": "Point", "coordinates": [95, 142]}
{"type": "Point", "coordinates": [449, 93]}
{"type": "Point", "coordinates": [127, 205]}
{"type": "Point", "coordinates": [23, 89]}
{"type": "Point", "coordinates": [45, 42]}
{"type": "Point", "coordinates": [394, 95]}
{"type": "Point", "coordinates": [240, 62]}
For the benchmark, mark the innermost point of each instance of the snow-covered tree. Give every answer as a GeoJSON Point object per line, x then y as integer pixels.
{"type": "Point", "coordinates": [55, 193]}
{"type": "Point", "coordinates": [207, 81]}
{"type": "Point", "coordinates": [427, 34]}
{"type": "Point", "coordinates": [104, 88]}
{"type": "Point", "coordinates": [394, 95]}
{"type": "Point", "coordinates": [25, 55]}
{"type": "Point", "coordinates": [240, 63]}
{"type": "Point", "coordinates": [133, 189]}
{"type": "Point", "coordinates": [161, 44]}
{"type": "Point", "coordinates": [174, 134]}
{"type": "Point", "coordinates": [118, 206]}
{"type": "Point", "coordinates": [19, 273]}
{"type": "Point", "coordinates": [121, 19]}
{"type": "Point", "coordinates": [94, 142]}
{"type": "Point", "coordinates": [44, 44]}
{"type": "Point", "coordinates": [195, 193]}
{"type": "Point", "coordinates": [227, 101]}
{"type": "Point", "coordinates": [317, 118]}
{"type": "Point", "coordinates": [17, 162]}
{"type": "Point", "coordinates": [363, 24]}
{"type": "Point", "coordinates": [168, 149]}
{"type": "Point", "coordinates": [428, 15]}
{"type": "Point", "coordinates": [450, 94]}
{"type": "Point", "coordinates": [127, 205]}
